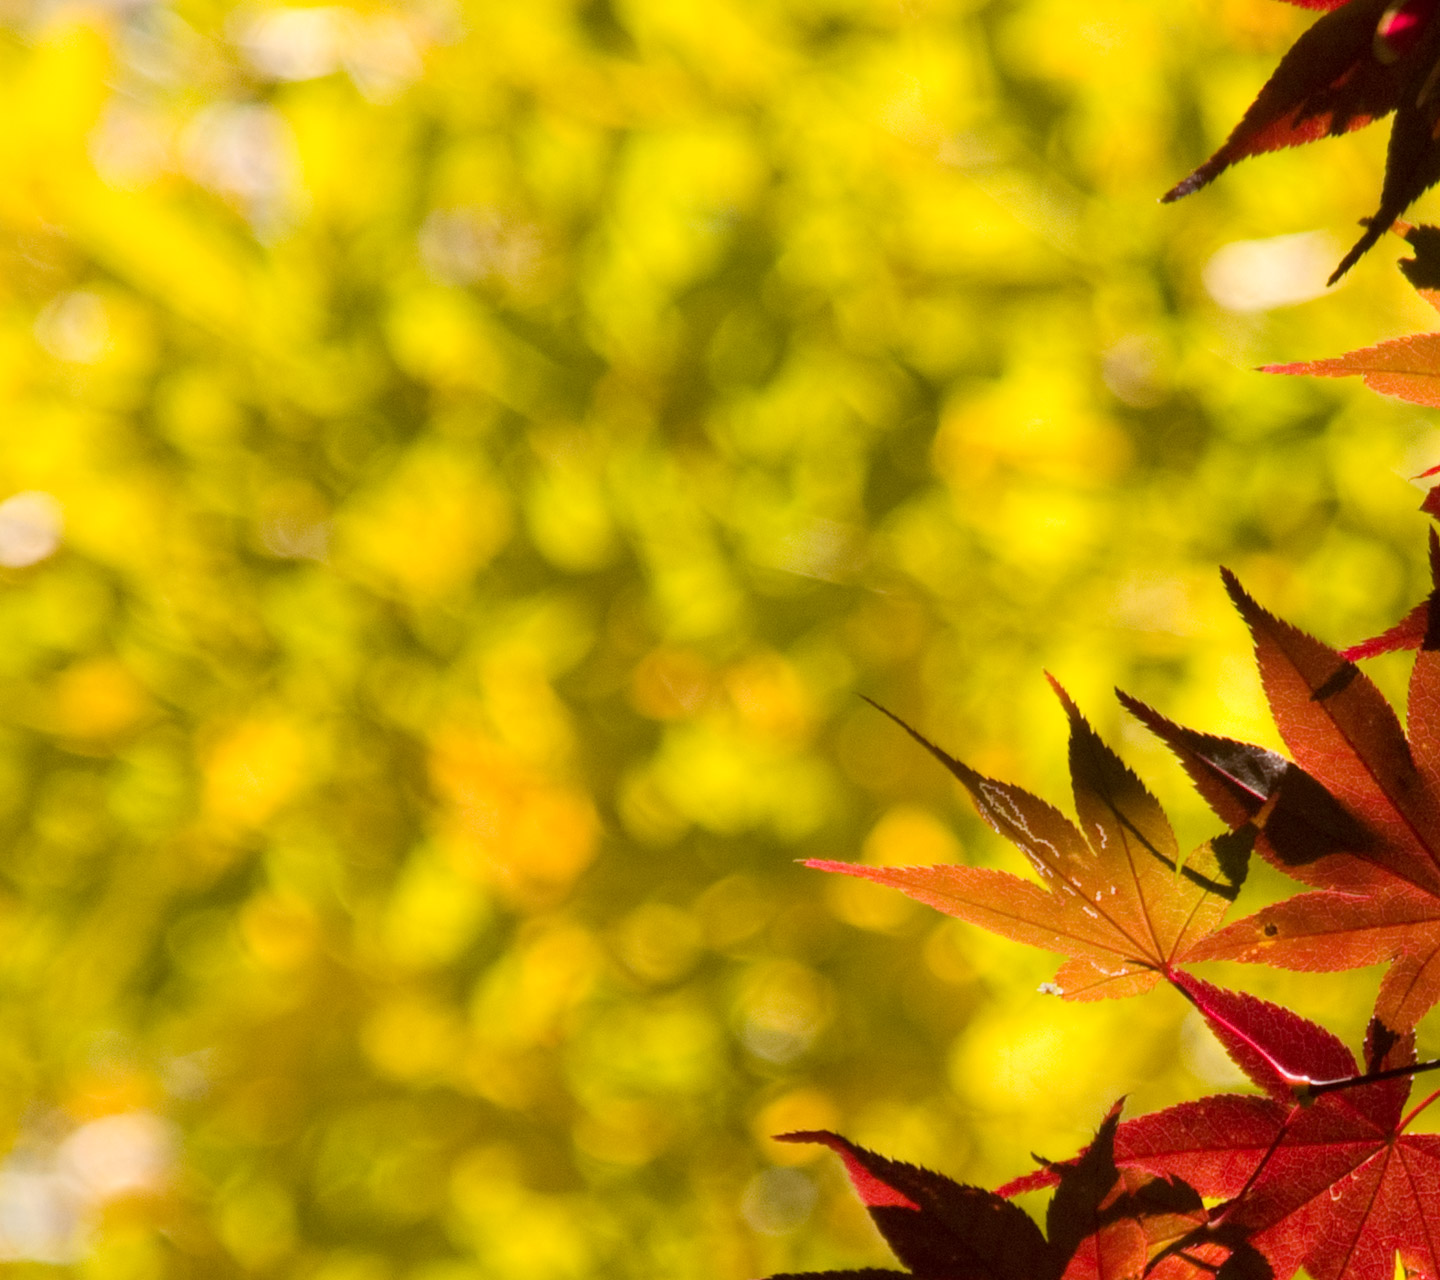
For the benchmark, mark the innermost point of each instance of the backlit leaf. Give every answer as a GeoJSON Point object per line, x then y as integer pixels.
{"type": "Point", "coordinates": [1327, 1180]}
{"type": "Point", "coordinates": [1378, 894]}
{"type": "Point", "coordinates": [1407, 368]}
{"type": "Point", "coordinates": [1362, 60]}
{"type": "Point", "coordinates": [1117, 900]}
{"type": "Point", "coordinates": [1102, 1223]}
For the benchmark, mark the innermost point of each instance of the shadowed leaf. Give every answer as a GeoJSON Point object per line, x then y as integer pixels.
{"type": "Point", "coordinates": [939, 1227]}
{"type": "Point", "coordinates": [1102, 1222]}
{"type": "Point", "coordinates": [1331, 1182]}
{"type": "Point", "coordinates": [1360, 61]}
{"type": "Point", "coordinates": [1378, 885]}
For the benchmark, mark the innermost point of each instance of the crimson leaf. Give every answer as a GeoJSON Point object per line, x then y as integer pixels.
{"type": "Point", "coordinates": [1330, 1181]}
{"type": "Point", "coordinates": [1362, 60]}
{"type": "Point", "coordinates": [1378, 894]}
{"type": "Point", "coordinates": [1101, 1222]}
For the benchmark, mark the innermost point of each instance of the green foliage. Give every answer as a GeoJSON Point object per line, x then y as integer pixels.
{"type": "Point", "coordinates": [490, 449]}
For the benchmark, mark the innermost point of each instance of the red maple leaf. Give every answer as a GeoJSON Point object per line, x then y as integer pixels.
{"type": "Point", "coordinates": [1409, 367]}
{"type": "Point", "coordinates": [1319, 1172]}
{"type": "Point", "coordinates": [1102, 1224]}
{"type": "Point", "coordinates": [1362, 60]}
{"type": "Point", "coordinates": [1412, 631]}
{"type": "Point", "coordinates": [1357, 816]}
{"type": "Point", "coordinates": [1118, 900]}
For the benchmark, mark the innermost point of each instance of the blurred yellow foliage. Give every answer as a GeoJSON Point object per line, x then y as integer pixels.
{"type": "Point", "coordinates": [95, 698]}
{"type": "Point", "coordinates": [464, 462]}
{"type": "Point", "coordinates": [427, 528]}
{"type": "Point", "coordinates": [506, 823]}
{"type": "Point", "coordinates": [252, 770]}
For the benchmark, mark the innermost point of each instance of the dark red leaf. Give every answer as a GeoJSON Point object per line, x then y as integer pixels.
{"type": "Point", "coordinates": [1379, 889]}
{"type": "Point", "coordinates": [939, 1227]}
{"type": "Point", "coordinates": [1423, 270]}
{"type": "Point", "coordinates": [868, 1273]}
{"type": "Point", "coordinates": [1082, 1224]}
{"type": "Point", "coordinates": [1102, 1222]}
{"type": "Point", "coordinates": [1297, 822]}
{"type": "Point", "coordinates": [1329, 1181]}
{"type": "Point", "coordinates": [1361, 60]}
{"type": "Point", "coordinates": [1277, 1048]}
{"type": "Point", "coordinates": [1331, 81]}
{"type": "Point", "coordinates": [1412, 160]}
{"type": "Point", "coordinates": [1344, 734]}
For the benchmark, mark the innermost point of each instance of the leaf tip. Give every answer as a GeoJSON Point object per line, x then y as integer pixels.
{"type": "Point", "coordinates": [1374, 229]}
{"type": "Point", "coordinates": [1238, 595]}
{"type": "Point", "coordinates": [1066, 700]}
{"type": "Point", "coordinates": [873, 1190]}
{"type": "Point", "coordinates": [827, 864]}
{"type": "Point", "coordinates": [1191, 184]}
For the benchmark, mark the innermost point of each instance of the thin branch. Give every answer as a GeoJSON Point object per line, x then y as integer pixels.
{"type": "Point", "coordinates": [1405, 1123]}
{"type": "Point", "coordinates": [1315, 1088]}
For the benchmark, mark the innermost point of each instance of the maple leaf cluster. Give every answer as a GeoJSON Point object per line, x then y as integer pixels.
{"type": "Point", "coordinates": [1318, 1169]}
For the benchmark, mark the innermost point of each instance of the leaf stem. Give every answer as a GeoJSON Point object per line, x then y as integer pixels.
{"type": "Point", "coordinates": [1405, 1123]}
{"type": "Point", "coordinates": [1315, 1088]}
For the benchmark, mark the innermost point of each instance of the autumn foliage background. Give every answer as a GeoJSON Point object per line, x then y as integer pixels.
{"type": "Point", "coordinates": [484, 452]}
